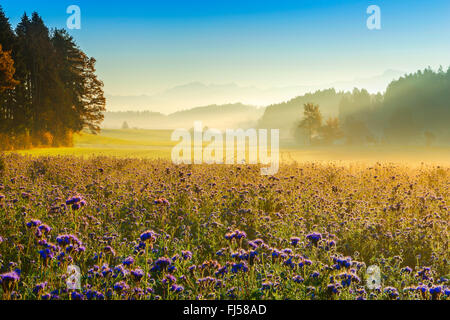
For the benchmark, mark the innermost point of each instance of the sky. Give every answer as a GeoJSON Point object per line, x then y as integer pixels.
{"type": "Point", "coordinates": [144, 47]}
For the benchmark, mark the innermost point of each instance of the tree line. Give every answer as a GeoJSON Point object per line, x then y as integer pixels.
{"type": "Point", "coordinates": [415, 109]}
{"type": "Point", "coordinates": [48, 86]}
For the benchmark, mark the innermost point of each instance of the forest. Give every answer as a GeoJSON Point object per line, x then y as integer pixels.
{"type": "Point", "coordinates": [49, 89]}
{"type": "Point", "coordinates": [415, 109]}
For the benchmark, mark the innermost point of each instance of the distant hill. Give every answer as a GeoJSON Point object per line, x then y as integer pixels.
{"type": "Point", "coordinates": [199, 94]}
{"type": "Point", "coordinates": [195, 94]}
{"type": "Point", "coordinates": [213, 116]}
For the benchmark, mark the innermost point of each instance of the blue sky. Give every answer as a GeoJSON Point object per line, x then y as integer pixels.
{"type": "Point", "coordinates": [143, 47]}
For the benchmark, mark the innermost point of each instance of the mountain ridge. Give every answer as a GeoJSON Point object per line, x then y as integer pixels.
{"type": "Point", "coordinates": [194, 94]}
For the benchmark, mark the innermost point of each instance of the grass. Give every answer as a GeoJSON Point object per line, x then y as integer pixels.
{"type": "Point", "coordinates": [156, 144]}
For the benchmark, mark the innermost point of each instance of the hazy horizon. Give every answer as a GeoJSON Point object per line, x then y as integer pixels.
{"type": "Point", "coordinates": [197, 94]}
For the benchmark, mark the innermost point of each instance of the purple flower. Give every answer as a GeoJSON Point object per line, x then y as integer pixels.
{"type": "Point", "coordinates": [343, 262]}
{"type": "Point", "coordinates": [109, 250]}
{"type": "Point", "coordinates": [391, 292]}
{"type": "Point", "coordinates": [276, 253]}
{"type": "Point", "coordinates": [289, 263]}
{"type": "Point", "coordinates": [13, 276]}
{"type": "Point", "coordinates": [128, 261]}
{"type": "Point", "coordinates": [422, 288]}
{"type": "Point", "coordinates": [161, 201]}
{"type": "Point", "coordinates": [120, 270]}
{"type": "Point", "coordinates": [172, 268]}
{"type": "Point", "coordinates": [334, 288]}
{"type": "Point", "coordinates": [186, 255]}
{"type": "Point", "coordinates": [73, 200]}
{"type": "Point", "coordinates": [148, 235]}
{"type": "Point", "coordinates": [92, 294]}
{"type": "Point", "coordinates": [295, 241]}
{"type": "Point", "coordinates": [34, 223]}
{"type": "Point", "coordinates": [241, 235]}
{"type": "Point", "coordinates": [424, 273]}
{"type": "Point", "coordinates": [121, 286]}
{"type": "Point", "coordinates": [39, 287]}
{"type": "Point", "coordinates": [45, 228]}
{"type": "Point", "coordinates": [239, 267]}
{"type": "Point", "coordinates": [406, 270]}
{"type": "Point", "coordinates": [221, 252]}
{"type": "Point", "coordinates": [258, 242]}
{"type": "Point", "coordinates": [137, 274]}
{"type": "Point", "coordinates": [206, 281]}
{"type": "Point", "coordinates": [176, 288]}
{"type": "Point", "coordinates": [298, 279]}
{"type": "Point", "coordinates": [46, 254]}
{"type": "Point", "coordinates": [267, 285]}
{"type": "Point", "coordinates": [26, 195]}
{"type": "Point", "coordinates": [162, 264]}
{"type": "Point", "coordinates": [46, 297]}
{"type": "Point", "coordinates": [305, 262]}
{"type": "Point", "coordinates": [192, 268]}
{"type": "Point", "coordinates": [314, 237]}
{"type": "Point", "coordinates": [67, 239]}
{"type": "Point", "coordinates": [223, 270]}
{"type": "Point", "coordinates": [237, 234]}
{"type": "Point", "coordinates": [169, 279]}
{"type": "Point", "coordinates": [76, 296]}
{"type": "Point", "coordinates": [436, 290]}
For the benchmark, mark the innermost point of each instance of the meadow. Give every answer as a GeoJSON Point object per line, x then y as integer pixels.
{"type": "Point", "coordinates": [157, 144]}
{"type": "Point", "coordinates": [140, 227]}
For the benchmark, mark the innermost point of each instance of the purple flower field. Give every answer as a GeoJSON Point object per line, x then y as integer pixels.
{"type": "Point", "coordinates": [148, 229]}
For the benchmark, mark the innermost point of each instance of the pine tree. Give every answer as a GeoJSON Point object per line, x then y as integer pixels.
{"type": "Point", "coordinates": [45, 84]}
{"type": "Point", "coordinates": [7, 37]}
{"type": "Point", "coordinates": [7, 40]}
{"type": "Point", "coordinates": [22, 108]}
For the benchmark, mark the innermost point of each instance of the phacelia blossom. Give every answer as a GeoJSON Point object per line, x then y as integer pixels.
{"type": "Point", "coordinates": [128, 261]}
{"type": "Point", "coordinates": [186, 255]}
{"type": "Point", "coordinates": [314, 237]}
{"type": "Point", "coordinates": [7, 280]}
{"type": "Point", "coordinates": [34, 223]}
{"type": "Point", "coordinates": [162, 201]}
{"type": "Point", "coordinates": [161, 264]}
{"type": "Point", "coordinates": [237, 234]}
{"type": "Point", "coordinates": [239, 267]}
{"type": "Point", "coordinates": [295, 241]}
{"type": "Point", "coordinates": [137, 274]}
{"type": "Point", "coordinates": [176, 288]}
{"type": "Point", "coordinates": [148, 235]}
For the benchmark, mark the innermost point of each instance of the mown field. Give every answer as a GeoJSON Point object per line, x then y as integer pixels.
{"type": "Point", "coordinates": [139, 227]}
